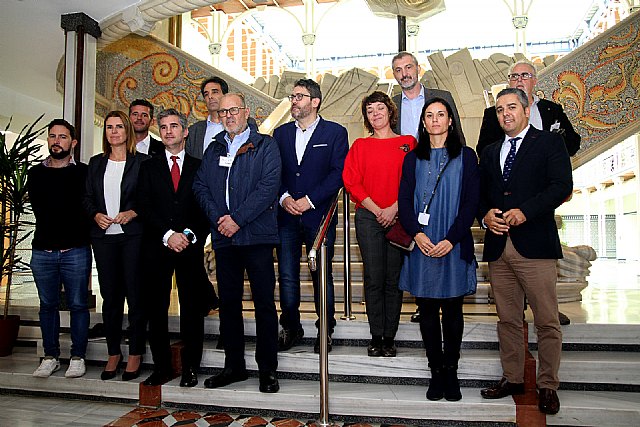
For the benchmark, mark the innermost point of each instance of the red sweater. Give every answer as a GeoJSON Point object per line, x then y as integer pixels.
{"type": "Point", "coordinates": [373, 168]}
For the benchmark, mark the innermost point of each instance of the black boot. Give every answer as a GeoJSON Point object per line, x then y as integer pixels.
{"type": "Point", "coordinates": [436, 384]}
{"type": "Point", "coordinates": [451, 384]}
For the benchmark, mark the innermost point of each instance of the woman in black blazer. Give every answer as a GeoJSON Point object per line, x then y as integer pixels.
{"type": "Point", "coordinates": [116, 236]}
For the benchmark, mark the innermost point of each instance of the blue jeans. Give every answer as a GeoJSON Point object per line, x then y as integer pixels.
{"type": "Point", "coordinates": [292, 236]}
{"type": "Point", "coordinates": [71, 269]}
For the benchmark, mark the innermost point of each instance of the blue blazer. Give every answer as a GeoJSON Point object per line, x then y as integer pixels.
{"type": "Point", "coordinates": [319, 175]}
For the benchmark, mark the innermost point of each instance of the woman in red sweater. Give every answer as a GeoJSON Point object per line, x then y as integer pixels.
{"type": "Point", "coordinates": [371, 175]}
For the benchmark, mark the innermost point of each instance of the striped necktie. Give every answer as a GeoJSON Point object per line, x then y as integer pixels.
{"type": "Point", "coordinates": [511, 157]}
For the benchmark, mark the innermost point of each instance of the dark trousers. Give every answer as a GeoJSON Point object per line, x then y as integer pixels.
{"type": "Point", "coordinates": [433, 335]}
{"type": "Point", "coordinates": [118, 263]}
{"type": "Point", "coordinates": [257, 261]}
{"type": "Point", "coordinates": [193, 288]}
{"type": "Point", "coordinates": [382, 263]}
{"type": "Point", "coordinates": [292, 236]}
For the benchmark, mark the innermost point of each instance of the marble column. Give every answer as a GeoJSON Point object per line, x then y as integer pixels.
{"type": "Point", "coordinates": [81, 34]}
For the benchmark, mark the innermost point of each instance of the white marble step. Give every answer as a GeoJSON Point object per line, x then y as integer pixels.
{"type": "Point", "coordinates": [404, 402]}
{"type": "Point", "coordinates": [578, 367]}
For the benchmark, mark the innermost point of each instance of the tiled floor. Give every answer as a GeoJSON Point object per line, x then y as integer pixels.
{"type": "Point", "coordinates": [612, 297]}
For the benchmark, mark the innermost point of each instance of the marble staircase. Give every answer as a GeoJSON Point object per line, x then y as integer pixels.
{"type": "Point", "coordinates": [600, 375]}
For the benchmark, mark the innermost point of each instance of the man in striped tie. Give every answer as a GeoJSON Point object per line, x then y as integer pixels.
{"type": "Point", "coordinates": [524, 176]}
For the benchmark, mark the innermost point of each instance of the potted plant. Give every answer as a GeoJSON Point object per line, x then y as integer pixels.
{"type": "Point", "coordinates": [15, 162]}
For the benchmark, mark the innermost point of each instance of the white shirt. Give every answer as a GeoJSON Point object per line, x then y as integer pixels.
{"type": "Point", "coordinates": [112, 183]}
{"type": "Point", "coordinates": [143, 146]}
{"type": "Point", "coordinates": [411, 109]}
{"type": "Point", "coordinates": [232, 148]}
{"type": "Point", "coordinates": [535, 119]}
{"type": "Point", "coordinates": [213, 129]}
{"type": "Point", "coordinates": [506, 145]}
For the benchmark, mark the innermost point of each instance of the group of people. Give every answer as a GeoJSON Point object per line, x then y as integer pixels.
{"type": "Point", "coordinates": [147, 216]}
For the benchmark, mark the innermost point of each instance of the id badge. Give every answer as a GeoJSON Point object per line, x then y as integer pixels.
{"type": "Point", "coordinates": [423, 218]}
{"type": "Point", "coordinates": [226, 161]}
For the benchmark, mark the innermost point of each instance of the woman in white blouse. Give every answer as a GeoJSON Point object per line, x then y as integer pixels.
{"type": "Point", "coordinates": [116, 237]}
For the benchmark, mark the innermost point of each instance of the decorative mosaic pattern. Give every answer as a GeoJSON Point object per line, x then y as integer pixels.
{"type": "Point", "coordinates": [144, 67]}
{"type": "Point", "coordinates": [145, 417]}
{"type": "Point", "coordinates": [599, 85]}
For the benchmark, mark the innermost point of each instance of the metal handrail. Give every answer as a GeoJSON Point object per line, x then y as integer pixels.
{"type": "Point", "coordinates": [318, 257]}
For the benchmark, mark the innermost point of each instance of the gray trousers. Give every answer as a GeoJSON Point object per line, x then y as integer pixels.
{"type": "Point", "coordinates": [382, 263]}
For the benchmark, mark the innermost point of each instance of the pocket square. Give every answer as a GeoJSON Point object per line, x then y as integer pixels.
{"type": "Point", "coordinates": [320, 145]}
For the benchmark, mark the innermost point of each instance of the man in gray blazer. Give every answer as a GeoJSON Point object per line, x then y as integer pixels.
{"type": "Point", "coordinates": [201, 133]}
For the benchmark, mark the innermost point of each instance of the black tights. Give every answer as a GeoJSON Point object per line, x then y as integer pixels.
{"type": "Point", "coordinates": [433, 334]}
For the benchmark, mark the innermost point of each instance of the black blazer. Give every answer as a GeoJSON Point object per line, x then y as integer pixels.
{"type": "Point", "coordinates": [94, 196]}
{"type": "Point", "coordinates": [539, 182]}
{"type": "Point", "coordinates": [550, 112]}
{"type": "Point", "coordinates": [162, 209]}
{"type": "Point", "coordinates": [155, 146]}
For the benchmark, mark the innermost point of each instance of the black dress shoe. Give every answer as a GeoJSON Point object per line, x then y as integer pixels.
{"type": "Point", "coordinates": [316, 345]}
{"type": "Point", "coordinates": [157, 378]}
{"type": "Point", "coordinates": [415, 317]}
{"type": "Point", "coordinates": [226, 377]}
{"type": "Point", "coordinates": [189, 377]}
{"type": "Point", "coordinates": [389, 350]}
{"type": "Point", "coordinates": [132, 375]}
{"type": "Point", "coordinates": [548, 401]}
{"type": "Point", "coordinates": [564, 320]}
{"type": "Point", "coordinates": [503, 389]}
{"type": "Point", "coordinates": [288, 338]}
{"type": "Point", "coordinates": [109, 375]}
{"type": "Point", "coordinates": [269, 382]}
{"type": "Point", "coordinates": [374, 349]}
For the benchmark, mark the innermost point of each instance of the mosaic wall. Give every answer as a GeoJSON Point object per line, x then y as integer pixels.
{"type": "Point", "coordinates": [599, 86]}
{"type": "Point", "coordinates": [144, 67]}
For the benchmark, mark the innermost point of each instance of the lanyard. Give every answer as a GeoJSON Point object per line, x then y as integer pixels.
{"type": "Point", "coordinates": [428, 204]}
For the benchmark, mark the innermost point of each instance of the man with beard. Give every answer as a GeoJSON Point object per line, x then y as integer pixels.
{"type": "Point", "coordinates": [60, 248]}
{"type": "Point", "coordinates": [312, 151]}
{"type": "Point", "coordinates": [141, 115]}
{"type": "Point", "coordinates": [410, 102]}
{"type": "Point", "coordinates": [237, 187]}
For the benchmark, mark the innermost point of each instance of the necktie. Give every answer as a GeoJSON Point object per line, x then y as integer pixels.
{"type": "Point", "coordinates": [175, 173]}
{"type": "Point", "coordinates": [511, 157]}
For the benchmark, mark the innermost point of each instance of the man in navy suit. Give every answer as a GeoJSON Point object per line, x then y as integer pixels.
{"type": "Point", "coordinates": [524, 177]}
{"type": "Point", "coordinates": [545, 115]}
{"type": "Point", "coordinates": [174, 235]}
{"type": "Point", "coordinates": [141, 115]}
{"type": "Point", "coordinates": [312, 151]}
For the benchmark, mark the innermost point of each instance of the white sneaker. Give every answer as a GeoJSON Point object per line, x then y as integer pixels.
{"type": "Point", "coordinates": [76, 368]}
{"type": "Point", "coordinates": [48, 366]}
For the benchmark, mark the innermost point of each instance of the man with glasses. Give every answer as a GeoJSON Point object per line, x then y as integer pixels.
{"type": "Point", "coordinates": [312, 150]}
{"type": "Point", "coordinates": [237, 187]}
{"type": "Point", "coordinates": [545, 115]}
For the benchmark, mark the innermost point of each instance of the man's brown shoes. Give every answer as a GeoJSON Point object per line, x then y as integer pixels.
{"type": "Point", "coordinates": [548, 401]}
{"type": "Point", "coordinates": [503, 389]}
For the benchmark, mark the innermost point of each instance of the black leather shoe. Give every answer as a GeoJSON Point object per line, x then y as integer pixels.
{"type": "Point", "coordinates": [316, 345]}
{"type": "Point", "coordinates": [548, 401]}
{"type": "Point", "coordinates": [503, 389]}
{"type": "Point", "coordinates": [269, 382]}
{"type": "Point", "coordinates": [374, 349]}
{"type": "Point", "coordinates": [189, 378]}
{"type": "Point", "coordinates": [157, 378]}
{"type": "Point", "coordinates": [109, 375]}
{"type": "Point", "coordinates": [564, 320]}
{"type": "Point", "coordinates": [415, 317]}
{"type": "Point", "coordinates": [288, 338]}
{"type": "Point", "coordinates": [132, 375]}
{"type": "Point", "coordinates": [389, 350]}
{"type": "Point", "coordinates": [226, 377]}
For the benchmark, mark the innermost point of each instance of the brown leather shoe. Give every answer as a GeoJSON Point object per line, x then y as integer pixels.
{"type": "Point", "coordinates": [548, 401]}
{"type": "Point", "coordinates": [503, 389]}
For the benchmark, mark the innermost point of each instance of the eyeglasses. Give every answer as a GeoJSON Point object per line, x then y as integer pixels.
{"type": "Point", "coordinates": [233, 111]}
{"type": "Point", "coordinates": [524, 76]}
{"type": "Point", "coordinates": [298, 96]}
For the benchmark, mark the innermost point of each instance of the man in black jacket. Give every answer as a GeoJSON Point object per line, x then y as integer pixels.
{"type": "Point", "coordinates": [141, 115]}
{"type": "Point", "coordinates": [175, 232]}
